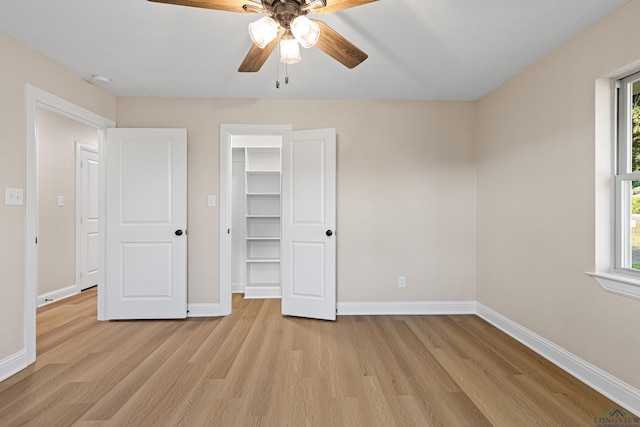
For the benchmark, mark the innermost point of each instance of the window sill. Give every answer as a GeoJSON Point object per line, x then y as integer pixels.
{"type": "Point", "coordinates": [618, 284]}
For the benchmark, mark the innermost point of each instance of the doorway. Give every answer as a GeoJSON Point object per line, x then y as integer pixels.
{"type": "Point", "coordinates": [227, 135]}
{"type": "Point", "coordinates": [290, 218]}
{"type": "Point", "coordinates": [36, 99]}
{"type": "Point", "coordinates": [62, 253]}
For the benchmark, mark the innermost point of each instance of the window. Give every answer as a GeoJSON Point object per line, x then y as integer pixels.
{"type": "Point", "coordinates": [620, 273]}
{"type": "Point", "coordinates": [627, 178]}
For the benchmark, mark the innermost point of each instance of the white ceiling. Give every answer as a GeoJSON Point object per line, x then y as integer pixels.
{"type": "Point", "coordinates": [418, 49]}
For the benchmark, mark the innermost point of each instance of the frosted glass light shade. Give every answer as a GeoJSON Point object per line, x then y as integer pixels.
{"type": "Point", "coordinates": [263, 31]}
{"type": "Point", "coordinates": [305, 31]}
{"type": "Point", "coordinates": [289, 51]}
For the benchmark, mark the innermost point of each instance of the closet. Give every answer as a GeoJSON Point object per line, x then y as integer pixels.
{"type": "Point", "coordinates": [255, 242]}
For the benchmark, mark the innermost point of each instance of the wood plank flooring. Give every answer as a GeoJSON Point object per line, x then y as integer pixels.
{"type": "Point", "coordinates": [257, 368]}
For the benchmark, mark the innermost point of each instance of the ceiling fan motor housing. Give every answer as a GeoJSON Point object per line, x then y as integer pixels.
{"type": "Point", "coordinates": [285, 11]}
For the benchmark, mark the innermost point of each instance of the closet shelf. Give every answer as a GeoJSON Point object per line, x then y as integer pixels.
{"type": "Point", "coordinates": [264, 238]}
{"type": "Point", "coordinates": [255, 285]}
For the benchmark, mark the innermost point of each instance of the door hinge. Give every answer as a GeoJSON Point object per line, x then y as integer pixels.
{"type": "Point", "coordinates": [228, 231]}
{"type": "Point", "coordinates": [36, 240]}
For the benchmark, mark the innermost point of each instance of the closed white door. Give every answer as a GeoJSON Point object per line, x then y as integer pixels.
{"type": "Point", "coordinates": [308, 259]}
{"type": "Point", "coordinates": [146, 221]}
{"type": "Point", "coordinates": [88, 200]}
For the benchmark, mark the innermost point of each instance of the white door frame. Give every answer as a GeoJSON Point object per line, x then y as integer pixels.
{"type": "Point", "coordinates": [227, 132]}
{"type": "Point", "coordinates": [37, 98]}
{"type": "Point", "coordinates": [80, 147]}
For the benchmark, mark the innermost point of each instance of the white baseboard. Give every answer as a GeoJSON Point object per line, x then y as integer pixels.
{"type": "Point", "coordinates": [601, 381]}
{"type": "Point", "coordinates": [406, 308]}
{"type": "Point", "coordinates": [50, 297]}
{"type": "Point", "coordinates": [237, 288]}
{"type": "Point", "coordinates": [205, 310]}
{"type": "Point", "coordinates": [13, 364]}
{"type": "Point", "coordinates": [262, 292]}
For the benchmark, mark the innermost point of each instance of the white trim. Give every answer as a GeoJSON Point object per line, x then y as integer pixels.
{"type": "Point", "coordinates": [226, 134]}
{"type": "Point", "coordinates": [406, 308]}
{"type": "Point", "coordinates": [601, 381]}
{"type": "Point", "coordinates": [102, 223]}
{"type": "Point", "coordinates": [254, 292]}
{"type": "Point", "coordinates": [50, 297]}
{"type": "Point", "coordinates": [13, 364]}
{"type": "Point", "coordinates": [37, 98]}
{"type": "Point", "coordinates": [205, 310]}
{"type": "Point", "coordinates": [618, 284]}
{"type": "Point", "coordinates": [237, 288]}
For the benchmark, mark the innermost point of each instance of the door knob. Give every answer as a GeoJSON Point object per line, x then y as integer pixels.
{"type": "Point", "coordinates": [329, 233]}
{"type": "Point", "coordinates": [178, 232]}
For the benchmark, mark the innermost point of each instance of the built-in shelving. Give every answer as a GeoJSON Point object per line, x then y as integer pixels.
{"type": "Point", "coordinates": [262, 222]}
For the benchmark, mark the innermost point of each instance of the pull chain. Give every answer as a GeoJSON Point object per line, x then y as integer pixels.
{"type": "Point", "coordinates": [278, 69]}
{"type": "Point", "coordinates": [286, 72]}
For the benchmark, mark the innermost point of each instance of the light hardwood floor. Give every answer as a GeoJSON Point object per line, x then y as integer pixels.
{"type": "Point", "coordinates": [257, 368]}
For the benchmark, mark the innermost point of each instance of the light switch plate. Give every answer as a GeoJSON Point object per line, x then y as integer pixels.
{"type": "Point", "coordinates": [60, 201]}
{"type": "Point", "coordinates": [211, 200]}
{"type": "Point", "coordinates": [14, 196]}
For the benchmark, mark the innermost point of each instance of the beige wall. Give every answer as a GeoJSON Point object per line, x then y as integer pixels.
{"type": "Point", "coordinates": [537, 200]}
{"type": "Point", "coordinates": [20, 66]}
{"type": "Point", "coordinates": [57, 136]}
{"type": "Point", "coordinates": [406, 189]}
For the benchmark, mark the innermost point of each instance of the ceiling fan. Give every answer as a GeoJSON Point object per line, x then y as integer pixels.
{"type": "Point", "coordinates": [287, 25]}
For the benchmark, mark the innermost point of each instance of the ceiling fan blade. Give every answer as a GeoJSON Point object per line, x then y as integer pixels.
{"type": "Point", "coordinates": [337, 5]}
{"type": "Point", "coordinates": [256, 57]}
{"type": "Point", "coordinates": [226, 5]}
{"type": "Point", "coordinates": [339, 48]}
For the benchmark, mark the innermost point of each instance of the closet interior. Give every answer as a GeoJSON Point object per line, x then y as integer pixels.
{"type": "Point", "coordinates": [255, 225]}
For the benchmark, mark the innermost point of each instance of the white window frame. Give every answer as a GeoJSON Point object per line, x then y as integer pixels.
{"type": "Point", "coordinates": [623, 177]}
{"type": "Point", "coordinates": [623, 279]}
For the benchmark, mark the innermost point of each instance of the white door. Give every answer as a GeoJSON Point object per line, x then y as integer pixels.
{"type": "Point", "coordinates": [308, 258]}
{"type": "Point", "coordinates": [146, 221]}
{"type": "Point", "coordinates": [88, 235]}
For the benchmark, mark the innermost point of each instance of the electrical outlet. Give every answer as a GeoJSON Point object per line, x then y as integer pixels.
{"type": "Point", "coordinates": [402, 282]}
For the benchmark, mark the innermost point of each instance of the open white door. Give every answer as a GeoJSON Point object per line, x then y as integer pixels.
{"type": "Point", "coordinates": [308, 258]}
{"type": "Point", "coordinates": [87, 199]}
{"type": "Point", "coordinates": [146, 220]}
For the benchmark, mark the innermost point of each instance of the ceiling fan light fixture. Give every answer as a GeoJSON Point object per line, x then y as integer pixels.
{"type": "Point", "coordinates": [305, 31]}
{"type": "Point", "coordinates": [289, 51]}
{"type": "Point", "coordinates": [263, 31]}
